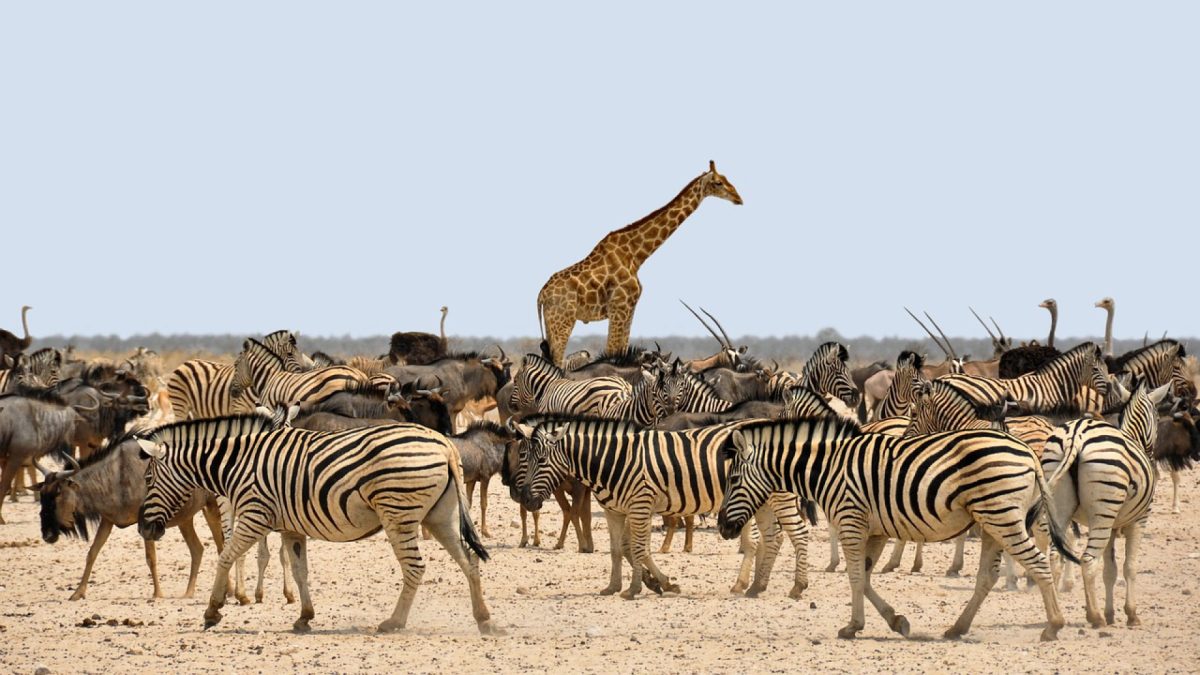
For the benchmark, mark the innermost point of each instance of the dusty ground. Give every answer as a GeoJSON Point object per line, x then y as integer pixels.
{"type": "Point", "coordinates": [547, 602]}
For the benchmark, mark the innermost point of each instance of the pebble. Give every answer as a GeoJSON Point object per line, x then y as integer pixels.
{"type": "Point", "coordinates": [135, 651]}
{"type": "Point", "coordinates": [522, 590]}
{"type": "Point", "coordinates": [1105, 634]}
{"type": "Point", "coordinates": [593, 632]}
{"type": "Point", "coordinates": [41, 670]}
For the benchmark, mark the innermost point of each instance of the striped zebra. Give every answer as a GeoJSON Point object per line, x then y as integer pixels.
{"type": "Point", "coordinates": [637, 473]}
{"type": "Point", "coordinates": [876, 487]}
{"type": "Point", "coordinates": [1102, 476]}
{"type": "Point", "coordinates": [647, 403]}
{"type": "Point", "coordinates": [1156, 365]}
{"type": "Point", "coordinates": [542, 387]}
{"type": "Point", "coordinates": [282, 343]}
{"type": "Point", "coordinates": [337, 487]}
{"type": "Point", "coordinates": [826, 372]}
{"type": "Point", "coordinates": [200, 388]}
{"type": "Point", "coordinates": [1051, 387]}
{"type": "Point", "coordinates": [261, 372]}
{"type": "Point", "coordinates": [898, 401]}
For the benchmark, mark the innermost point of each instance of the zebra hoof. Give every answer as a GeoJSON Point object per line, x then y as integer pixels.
{"type": "Point", "coordinates": [258, 597]}
{"type": "Point", "coordinates": [289, 599]}
{"type": "Point", "coordinates": [1049, 634]}
{"type": "Point", "coordinates": [849, 632]}
{"type": "Point", "coordinates": [301, 626]}
{"type": "Point", "coordinates": [916, 569]}
{"type": "Point", "coordinates": [1132, 620]}
{"type": "Point", "coordinates": [754, 591]}
{"type": "Point", "coordinates": [673, 589]}
{"type": "Point", "coordinates": [797, 591]}
{"type": "Point", "coordinates": [887, 568]}
{"type": "Point", "coordinates": [489, 628]}
{"type": "Point", "coordinates": [211, 618]}
{"type": "Point", "coordinates": [831, 567]}
{"type": "Point", "coordinates": [952, 573]}
{"type": "Point", "coordinates": [609, 590]}
{"type": "Point", "coordinates": [899, 624]}
{"type": "Point", "coordinates": [628, 595]}
{"type": "Point", "coordinates": [953, 633]}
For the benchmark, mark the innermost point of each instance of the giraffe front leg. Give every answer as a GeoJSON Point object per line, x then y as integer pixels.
{"type": "Point", "coordinates": [622, 301]}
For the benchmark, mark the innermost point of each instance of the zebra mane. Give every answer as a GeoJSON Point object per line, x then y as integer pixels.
{"type": "Point", "coordinates": [918, 361]}
{"type": "Point", "coordinates": [841, 427]}
{"type": "Point", "coordinates": [988, 412]}
{"type": "Point", "coordinates": [536, 360]}
{"type": "Point", "coordinates": [250, 343]}
{"type": "Point", "coordinates": [809, 397]}
{"type": "Point", "coordinates": [695, 380]}
{"type": "Point", "coordinates": [1066, 356]}
{"type": "Point", "coordinates": [1121, 362]}
{"type": "Point", "coordinates": [629, 356]}
{"type": "Point", "coordinates": [555, 420]}
{"type": "Point", "coordinates": [215, 427]}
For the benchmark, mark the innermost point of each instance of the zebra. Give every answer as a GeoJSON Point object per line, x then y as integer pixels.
{"type": "Point", "coordinates": [1050, 387]}
{"type": "Point", "coordinates": [647, 404]}
{"type": "Point", "coordinates": [199, 388]}
{"type": "Point", "coordinates": [898, 401]}
{"type": "Point", "coordinates": [826, 372]}
{"type": "Point", "coordinates": [635, 473]}
{"type": "Point", "coordinates": [543, 387]}
{"type": "Point", "coordinates": [339, 487]}
{"type": "Point", "coordinates": [876, 487]}
{"type": "Point", "coordinates": [262, 372]}
{"type": "Point", "coordinates": [1102, 476]}
{"type": "Point", "coordinates": [282, 343]}
{"type": "Point", "coordinates": [1156, 365]}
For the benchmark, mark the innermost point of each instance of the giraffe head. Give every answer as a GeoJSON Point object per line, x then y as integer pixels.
{"type": "Point", "coordinates": [717, 185]}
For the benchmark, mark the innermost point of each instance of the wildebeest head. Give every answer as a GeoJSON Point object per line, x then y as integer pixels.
{"type": "Point", "coordinates": [61, 507]}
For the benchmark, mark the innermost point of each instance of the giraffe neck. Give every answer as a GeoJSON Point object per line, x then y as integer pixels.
{"type": "Point", "coordinates": [635, 243]}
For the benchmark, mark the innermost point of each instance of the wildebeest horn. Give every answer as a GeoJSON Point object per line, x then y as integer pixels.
{"type": "Point", "coordinates": [705, 324]}
{"type": "Point", "coordinates": [939, 330]}
{"type": "Point", "coordinates": [985, 326]}
{"type": "Point", "coordinates": [41, 469]}
{"type": "Point", "coordinates": [68, 458]}
{"type": "Point", "coordinates": [95, 406]}
{"type": "Point", "coordinates": [657, 348]}
{"type": "Point", "coordinates": [728, 342]}
{"type": "Point", "coordinates": [931, 335]}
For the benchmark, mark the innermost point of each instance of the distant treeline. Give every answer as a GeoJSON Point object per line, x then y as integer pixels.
{"type": "Point", "coordinates": [785, 349]}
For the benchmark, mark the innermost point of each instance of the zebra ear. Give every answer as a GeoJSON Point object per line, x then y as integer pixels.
{"type": "Point", "coordinates": [739, 442]}
{"type": "Point", "coordinates": [291, 413]}
{"type": "Point", "coordinates": [1157, 396]}
{"type": "Point", "coordinates": [150, 450]}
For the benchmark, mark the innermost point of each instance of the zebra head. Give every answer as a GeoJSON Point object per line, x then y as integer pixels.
{"type": "Point", "coordinates": [165, 496]}
{"type": "Point", "coordinates": [746, 489]}
{"type": "Point", "coordinates": [542, 474]}
{"type": "Point", "coordinates": [1139, 419]}
{"type": "Point", "coordinates": [826, 372]}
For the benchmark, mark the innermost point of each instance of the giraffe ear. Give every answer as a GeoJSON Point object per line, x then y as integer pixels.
{"type": "Point", "coordinates": [712, 166]}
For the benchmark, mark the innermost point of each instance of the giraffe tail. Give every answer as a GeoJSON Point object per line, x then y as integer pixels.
{"type": "Point", "coordinates": [541, 324]}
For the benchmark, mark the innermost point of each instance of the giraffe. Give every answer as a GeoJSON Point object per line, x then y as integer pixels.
{"type": "Point", "coordinates": [604, 285]}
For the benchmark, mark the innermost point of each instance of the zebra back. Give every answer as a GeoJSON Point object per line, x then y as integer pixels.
{"type": "Point", "coordinates": [542, 387]}
{"type": "Point", "coordinates": [200, 389]}
{"type": "Point", "coordinates": [940, 407]}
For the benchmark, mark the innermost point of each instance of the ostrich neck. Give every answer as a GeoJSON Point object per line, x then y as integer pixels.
{"type": "Point", "coordinates": [1053, 325]}
{"type": "Point", "coordinates": [25, 322]}
{"type": "Point", "coordinates": [1108, 340]}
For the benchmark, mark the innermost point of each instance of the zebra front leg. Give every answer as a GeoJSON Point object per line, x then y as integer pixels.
{"type": "Point", "coordinates": [789, 512]}
{"type": "Point", "coordinates": [670, 524]}
{"type": "Point", "coordinates": [834, 561]}
{"type": "Point", "coordinates": [748, 547]}
{"type": "Point", "coordinates": [249, 529]}
{"type": "Point", "coordinates": [1133, 542]}
{"type": "Point", "coordinates": [851, 537]}
{"type": "Point", "coordinates": [616, 534]}
{"type": "Point", "coordinates": [897, 622]}
{"type": "Point", "coordinates": [989, 572]}
{"type": "Point", "coordinates": [897, 555]}
{"type": "Point", "coordinates": [637, 529]}
{"type": "Point", "coordinates": [298, 544]}
{"type": "Point", "coordinates": [568, 515]}
{"type": "Point", "coordinates": [446, 524]}
{"type": "Point", "coordinates": [764, 559]}
{"type": "Point", "coordinates": [689, 530]}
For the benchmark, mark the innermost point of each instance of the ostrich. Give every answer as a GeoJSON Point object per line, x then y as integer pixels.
{"type": "Point", "coordinates": [442, 328]}
{"type": "Point", "coordinates": [1051, 305]}
{"type": "Point", "coordinates": [1108, 306]}
{"type": "Point", "coordinates": [1028, 358]}
{"type": "Point", "coordinates": [11, 345]}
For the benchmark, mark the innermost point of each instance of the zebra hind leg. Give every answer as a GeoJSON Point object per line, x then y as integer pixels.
{"type": "Point", "coordinates": [246, 533]}
{"type": "Point", "coordinates": [298, 543]}
{"type": "Point", "coordinates": [616, 534]}
{"type": "Point", "coordinates": [897, 556]}
{"type": "Point", "coordinates": [1110, 582]}
{"type": "Point", "coordinates": [1133, 540]}
{"type": "Point", "coordinates": [767, 551]}
{"type": "Point", "coordinates": [445, 523]}
{"type": "Point", "coordinates": [263, 558]}
{"type": "Point", "coordinates": [989, 572]}
{"type": "Point", "coordinates": [1015, 540]}
{"type": "Point", "coordinates": [403, 533]}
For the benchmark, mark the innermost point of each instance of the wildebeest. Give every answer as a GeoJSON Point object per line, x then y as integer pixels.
{"type": "Point", "coordinates": [109, 487]}
{"type": "Point", "coordinates": [482, 448]}
{"type": "Point", "coordinates": [32, 426]}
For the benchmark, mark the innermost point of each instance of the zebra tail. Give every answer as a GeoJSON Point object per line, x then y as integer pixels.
{"type": "Point", "coordinates": [466, 529]}
{"type": "Point", "coordinates": [1071, 449]}
{"type": "Point", "coordinates": [1044, 503]}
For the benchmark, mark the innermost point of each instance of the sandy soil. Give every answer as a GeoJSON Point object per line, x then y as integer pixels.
{"type": "Point", "coordinates": [547, 602]}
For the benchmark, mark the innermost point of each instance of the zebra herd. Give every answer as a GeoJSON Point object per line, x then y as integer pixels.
{"type": "Point", "coordinates": [648, 434]}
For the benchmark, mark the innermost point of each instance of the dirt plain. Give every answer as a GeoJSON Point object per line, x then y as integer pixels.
{"type": "Point", "coordinates": [547, 602]}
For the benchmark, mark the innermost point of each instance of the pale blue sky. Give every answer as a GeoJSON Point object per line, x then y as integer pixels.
{"type": "Point", "coordinates": [351, 167]}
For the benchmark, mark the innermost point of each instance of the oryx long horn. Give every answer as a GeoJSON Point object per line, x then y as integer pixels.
{"type": "Point", "coordinates": [939, 329]}
{"type": "Point", "coordinates": [929, 332]}
{"type": "Point", "coordinates": [728, 342]}
{"type": "Point", "coordinates": [998, 330]}
{"type": "Point", "coordinates": [985, 326]}
{"type": "Point", "coordinates": [703, 323]}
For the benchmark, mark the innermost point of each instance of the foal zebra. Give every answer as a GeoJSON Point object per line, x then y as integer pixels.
{"type": "Point", "coordinates": [635, 474]}
{"type": "Point", "coordinates": [198, 388]}
{"type": "Point", "coordinates": [542, 387]}
{"type": "Point", "coordinates": [876, 487]}
{"type": "Point", "coordinates": [1103, 477]}
{"type": "Point", "coordinates": [338, 487]}
{"type": "Point", "coordinates": [261, 372]}
{"type": "Point", "coordinates": [1156, 365]}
